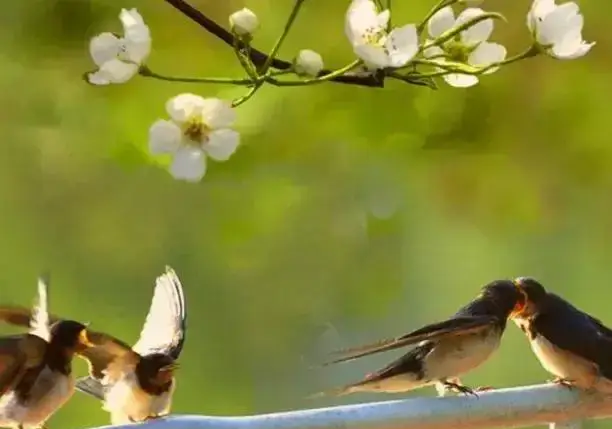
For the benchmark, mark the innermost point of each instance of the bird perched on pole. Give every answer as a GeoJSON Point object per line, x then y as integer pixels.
{"type": "Point", "coordinates": [36, 368]}
{"type": "Point", "coordinates": [444, 350]}
{"type": "Point", "coordinates": [137, 383]}
{"type": "Point", "coordinates": [572, 345]}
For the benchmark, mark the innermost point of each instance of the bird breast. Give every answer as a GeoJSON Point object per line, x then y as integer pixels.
{"type": "Point", "coordinates": [127, 402]}
{"type": "Point", "coordinates": [455, 355]}
{"type": "Point", "coordinates": [562, 363]}
{"type": "Point", "coordinates": [50, 391]}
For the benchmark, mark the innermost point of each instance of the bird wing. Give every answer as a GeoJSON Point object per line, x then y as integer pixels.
{"type": "Point", "coordinates": [452, 327]}
{"type": "Point", "coordinates": [40, 320]}
{"type": "Point", "coordinates": [15, 358]}
{"type": "Point", "coordinates": [573, 330]}
{"type": "Point", "coordinates": [164, 328]}
{"type": "Point", "coordinates": [108, 355]}
{"type": "Point", "coordinates": [37, 319]}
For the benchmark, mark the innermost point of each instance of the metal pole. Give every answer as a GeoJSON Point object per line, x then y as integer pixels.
{"type": "Point", "coordinates": [504, 408]}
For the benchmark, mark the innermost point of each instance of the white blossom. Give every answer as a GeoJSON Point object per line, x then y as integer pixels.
{"type": "Point", "coordinates": [558, 29]}
{"type": "Point", "coordinates": [366, 29]}
{"type": "Point", "coordinates": [244, 22]}
{"type": "Point", "coordinates": [119, 58]}
{"type": "Point", "coordinates": [308, 63]}
{"type": "Point", "coordinates": [198, 128]}
{"type": "Point", "coordinates": [469, 46]}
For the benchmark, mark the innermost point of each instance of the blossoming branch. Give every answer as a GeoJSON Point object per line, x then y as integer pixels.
{"type": "Point", "coordinates": [455, 49]}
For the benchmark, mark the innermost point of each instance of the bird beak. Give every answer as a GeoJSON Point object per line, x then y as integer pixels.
{"type": "Point", "coordinates": [84, 339]}
{"type": "Point", "coordinates": [520, 305]}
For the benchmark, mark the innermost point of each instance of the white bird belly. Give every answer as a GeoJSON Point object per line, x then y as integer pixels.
{"type": "Point", "coordinates": [127, 402]}
{"type": "Point", "coordinates": [455, 356]}
{"type": "Point", "coordinates": [564, 364]}
{"type": "Point", "coordinates": [50, 391]}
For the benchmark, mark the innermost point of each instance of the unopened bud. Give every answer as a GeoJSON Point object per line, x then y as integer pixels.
{"type": "Point", "coordinates": [244, 22]}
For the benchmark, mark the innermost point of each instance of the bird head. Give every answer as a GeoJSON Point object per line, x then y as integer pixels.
{"type": "Point", "coordinates": [506, 296]}
{"type": "Point", "coordinates": [158, 368]}
{"type": "Point", "coordinates": [535, 295]}
{"type": "Point", "coordinates": [70, 335]}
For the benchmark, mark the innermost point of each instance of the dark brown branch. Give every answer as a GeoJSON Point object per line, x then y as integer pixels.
{"type": "Point", "coordinates": [258, 57]}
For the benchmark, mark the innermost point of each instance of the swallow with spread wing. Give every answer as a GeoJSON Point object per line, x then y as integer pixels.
{"type": "Point", "coordinates": [572, 345]}
{"type": "Point", "coordinates": [35, 368]}
{"type": "Point", "coordinates": [444, 350]}
{"type": "Point", "coordinates": [137, 383]}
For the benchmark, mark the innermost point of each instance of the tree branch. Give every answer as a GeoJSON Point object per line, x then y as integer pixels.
{"type": "Point", "coordinates": [259, 58]}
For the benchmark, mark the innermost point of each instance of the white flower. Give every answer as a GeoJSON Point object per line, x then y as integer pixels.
{"type": "Point", "coordinates": [198, 128]}
{"type": "Point", "coordinates": [469, 46]}
{"type": "Point", "coordinates": [558, 29]}
{"type": "Point", "coordinates": [244, 22]}
{"type": "Point", "coordinates": [119, 58]}
{"type": "Point", "coordinates": [366, 29]}
{"type": "Point", "coordinates": [308, 63]}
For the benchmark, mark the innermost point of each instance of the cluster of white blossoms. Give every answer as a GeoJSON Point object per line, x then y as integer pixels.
{"type": "Point", "coordinates": [457, 48]}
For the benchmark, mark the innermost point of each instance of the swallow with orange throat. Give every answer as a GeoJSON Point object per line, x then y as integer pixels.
{"type": "Point", "coordinates": [572, 345]}
{"type": "Point", "coordinates": [36, 367]}
{"type": "Point", "coordinates": [137, 383]}
{"type": "Point", "coordinates": [445, 350]}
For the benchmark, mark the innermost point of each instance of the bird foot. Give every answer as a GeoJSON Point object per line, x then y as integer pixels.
{"type": "Point", "coordinates": [484, 389]}
{"type": "Point", "coordinates": [563, 382]}
{"type": "Point", "coordinates": [459, 388]}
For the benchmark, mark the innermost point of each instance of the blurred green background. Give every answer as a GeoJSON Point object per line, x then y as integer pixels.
{"type": "Point", "coordinates": [348, 214]}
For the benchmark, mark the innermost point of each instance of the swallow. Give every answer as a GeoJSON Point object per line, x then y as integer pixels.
{"type": "Point", "coordinates": [573, 346]}
{"type": "Point", "coordinates": [137, 383]}
{"type": "Point", "coordinates": [444, 350]}
{"type": "Point", "coordinates": [36, 367]}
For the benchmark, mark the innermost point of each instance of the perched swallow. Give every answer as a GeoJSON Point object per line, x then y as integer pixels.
{"type": "Point", "coordinates": [570, 344]}
{"type": "Point", "coordinates": [445, 350]}
{"type": "Point", "coordinates": [137, 383]}
{"type": "Point", "coordinates": [35, 368]}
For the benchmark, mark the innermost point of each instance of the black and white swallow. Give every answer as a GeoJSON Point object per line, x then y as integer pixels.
{"type": "Point", "coordinates": [137, 383]}
{"type": "Point", "coordinates": [36, 368]}
{"type": "Point", "coordinates": [572, 345]}
{"type": "Point", "coordinates": [445, 350]}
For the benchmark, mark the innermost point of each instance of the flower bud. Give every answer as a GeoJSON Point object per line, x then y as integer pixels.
{"type": "Point", "coordinates": [308, 63]}
{"type": "Point", "coordinates": [244, 22]}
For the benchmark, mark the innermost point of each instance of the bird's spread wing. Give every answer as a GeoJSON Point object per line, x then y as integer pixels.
{"type": "Point", "coordinates": [90, 386]}
{"type": "Point", "coordinates": [107, 356]}
{"type": "Point", "coordinates": [435, 331]}
{"type": "Point", "coordinates": [40, 320]}
{"type": "Point", "coordinates": [164, 328]}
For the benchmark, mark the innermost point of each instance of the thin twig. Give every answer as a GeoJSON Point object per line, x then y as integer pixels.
{"type": "Point", "coordinates": [259, 58]}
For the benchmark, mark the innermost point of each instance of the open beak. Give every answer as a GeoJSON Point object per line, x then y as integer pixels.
{"type": "Point", "coordinates": [522, 301]}
{"type": "Point", "coordinates": [84, 339]}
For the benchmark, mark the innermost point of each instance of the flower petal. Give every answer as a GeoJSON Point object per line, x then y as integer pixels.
{"type": "Point", "coordinates": [185, 106]}
{"type": "Point", "coordinates": [553, 27]}
{"type": "Point", "coordinates": [571, 48]}
{"type": "Point", "coordinates": [373, 55]}
{"type": "Point", "coordinates": [476, 33]}
{"type": "Point", "coordinates": [402, 45]}
{"type": "Point", "coordinates": [115, 71]}
{"type": "Point", "coordinates": [487, 53]}
{"type": "Point", "coordinates": [189, 164]}
{"type": "Point", "coordinates": [137, 35]}
{"type": "Point", "coordinates": [217, 113]}
{"type": "Point", "coordinates": [222, 144]}
{"type": "Point", "coordinates": [460, 80]}
{"type": "Point", "coordinates": [433, 51]}
{"type": "Point", "coordinates": [362, 17]}
{"type": "Point", "coordinates": [104, 47]}
{"type": "Point", "coordinates": [164, 137]}
{"type": "Point", "coordinates": [441, 21]}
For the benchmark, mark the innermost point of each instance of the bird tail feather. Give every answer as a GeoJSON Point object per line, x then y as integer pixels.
{"type": "Point", "coordinates": [90, 386]}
